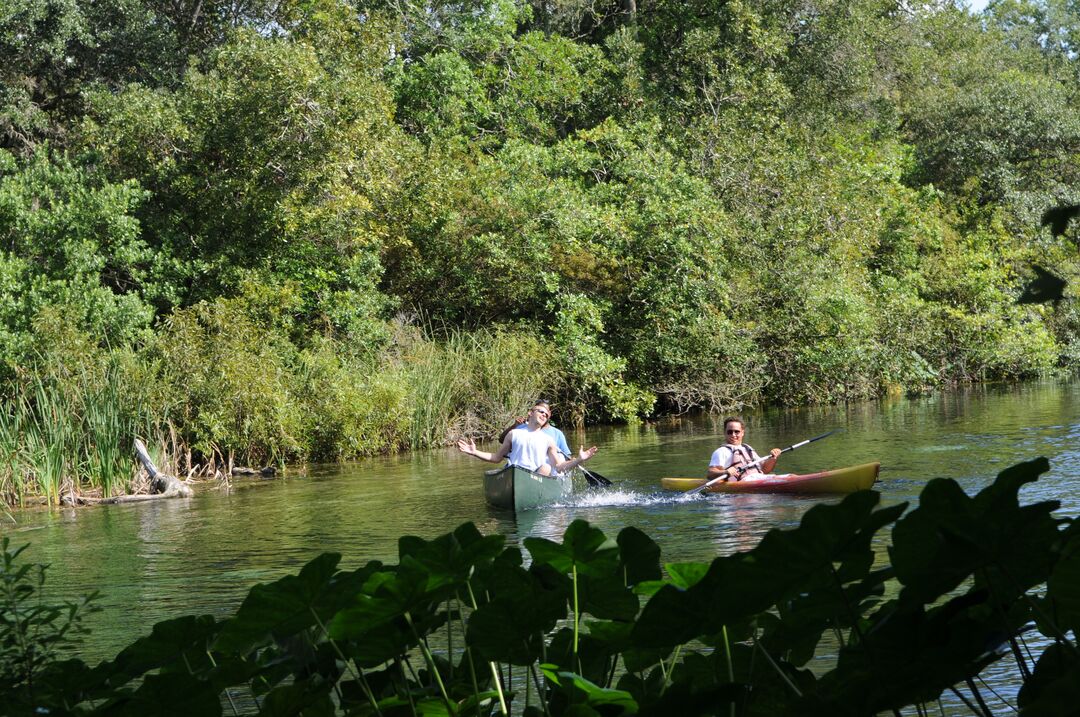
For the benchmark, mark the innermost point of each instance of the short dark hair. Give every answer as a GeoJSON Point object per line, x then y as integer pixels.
{"type": "Point", "coordinates": [735, 419]}
{"type": "Point", "coordinates": [542, 402]}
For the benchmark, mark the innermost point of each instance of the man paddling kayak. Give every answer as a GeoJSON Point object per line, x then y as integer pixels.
{"type": "Point", "coordinates": [529, 447]}
{"type": "Point", "coordinates": [728, 460]}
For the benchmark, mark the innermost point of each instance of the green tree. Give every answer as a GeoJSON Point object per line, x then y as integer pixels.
{"type": "Point", "coordinates": [987, 120]}
{"type": "Point", "coordinates": [71, 241]}
{"type": "Point", "coordinates": [265, 159]}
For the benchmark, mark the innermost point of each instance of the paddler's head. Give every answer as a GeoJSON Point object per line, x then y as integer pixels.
{"type": "Point", "coordinates": [540, 413]}
{"type": "Point", "coordinates": [734, 430]}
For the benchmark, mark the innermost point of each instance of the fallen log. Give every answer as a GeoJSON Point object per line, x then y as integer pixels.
{"type": "Point", "coordinates": [267, 472]}
{"type": "Point", "coordinates": [161, 484]}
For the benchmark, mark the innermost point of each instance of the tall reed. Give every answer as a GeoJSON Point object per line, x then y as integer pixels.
{"type": "Point", "coordinates": [11, 477]}
{"type": "Point", "coordinates": [438, 378]}
{"type": "Point", "coordinates": [473, 383]}
{"type": "Point", "coordinates": [509, 372]}
{"type": "Point", "coordinates": [50, 437]}
{"type": "Point", "coordinates": [108, 429]}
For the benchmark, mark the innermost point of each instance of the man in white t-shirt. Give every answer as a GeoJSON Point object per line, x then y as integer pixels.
{"type": "Point", "coordinates": [545, 425]}
{"type": "Point", "coordinates": [529, 447]}
{"type": "Point", "coordinates": [728, 460]}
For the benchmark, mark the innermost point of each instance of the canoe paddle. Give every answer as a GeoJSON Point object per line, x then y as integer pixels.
{"type": "Point", "coordinates": [758, 462]}
{"type": "Point", "coordinates": [594, 479]}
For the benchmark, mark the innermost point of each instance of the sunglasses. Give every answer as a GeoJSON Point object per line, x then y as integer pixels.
{"type": "Point", "coordinates": [541, 411]}
{"type": "Point", "coordinates": [734, 433]}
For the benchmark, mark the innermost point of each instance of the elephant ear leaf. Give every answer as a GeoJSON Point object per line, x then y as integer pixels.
{"type": "Point", "coordinates": [1044, 288]}
{"type": "Point", "coordinates": [1058, 218]}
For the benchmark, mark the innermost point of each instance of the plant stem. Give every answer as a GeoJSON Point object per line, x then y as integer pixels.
{"type": "Point", "coordinates": [966, 701]}
{"type": "Point", "coordinates": [539, 690]}
{"type": "Point", "coordinates": [405, 684]}
{"type": "Point", "coordinates": [730, 665]}
{"type": "Point", "coordinates": [776, 667]}
{"type": "Point", "coordinates": [978, 696]}
{"type": "Point", "coordinates": [228, 694]}
{"type": "Point", "coordinates": [576, 616]}
{"type": "Point", "coordinates": [430, 659]}
{"type": "Point", "coordinates": [494, 667]}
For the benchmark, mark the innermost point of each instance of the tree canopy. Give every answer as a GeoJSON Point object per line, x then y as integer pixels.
{"type": "Point", "coordinates": [687, 204]}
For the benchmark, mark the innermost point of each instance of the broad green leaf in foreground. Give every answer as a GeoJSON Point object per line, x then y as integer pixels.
{"type": "Point", "coordinates": [951, 536]}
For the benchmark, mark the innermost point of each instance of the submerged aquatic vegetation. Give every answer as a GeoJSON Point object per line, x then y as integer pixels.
{"type": "Point", "coordinates": [598, 626]}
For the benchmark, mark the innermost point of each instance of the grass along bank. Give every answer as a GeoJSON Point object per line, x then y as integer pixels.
{"type": "Point", "coordinates": [67, 426]}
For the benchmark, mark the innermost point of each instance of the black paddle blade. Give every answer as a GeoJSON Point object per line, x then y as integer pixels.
{"type": "Point", "coordinates": [595, 479]}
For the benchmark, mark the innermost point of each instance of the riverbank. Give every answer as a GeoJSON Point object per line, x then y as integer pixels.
{"type": "Point", "coordinates": [201, 556]}
{"type": "Point", "coordinates": [67, 430]}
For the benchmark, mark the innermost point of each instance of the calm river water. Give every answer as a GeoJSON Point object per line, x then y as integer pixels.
{"type": "Point", "coordinates": [161, 560]}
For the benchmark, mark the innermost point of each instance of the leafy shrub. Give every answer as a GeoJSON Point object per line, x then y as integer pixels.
{"type": "Point", "coordinates": [33, 633]}
{"type": "Point", "coordinates": [351, 408]}
{"type": "Point", "coordinates": [227, 366]}
{"type": "Point", "coordinates": [595, 382]}
{"type": "Point", "coordinates": [71, 241]}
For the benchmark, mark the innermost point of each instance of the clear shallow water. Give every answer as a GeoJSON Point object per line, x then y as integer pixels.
{"type": "Point", "coordinates": [161, 560]}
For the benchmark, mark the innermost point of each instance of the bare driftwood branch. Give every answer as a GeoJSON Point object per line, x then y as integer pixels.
{"type": "Point", "coordinates": [161, 485]}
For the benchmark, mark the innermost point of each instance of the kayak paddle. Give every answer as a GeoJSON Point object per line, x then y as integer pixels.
{"type": "Point", "coordinates": [758, 462]}
{"type": "Point", "coordinates": [594, 479]}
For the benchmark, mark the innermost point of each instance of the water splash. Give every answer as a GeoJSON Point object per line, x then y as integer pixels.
{"type": "Point", "coordinates": [619, 497]}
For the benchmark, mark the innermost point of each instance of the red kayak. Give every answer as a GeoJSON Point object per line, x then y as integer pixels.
{"type": "Point", "coordinates": [840, 480]}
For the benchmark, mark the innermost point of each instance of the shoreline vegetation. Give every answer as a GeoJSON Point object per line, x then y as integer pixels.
{"type": "Point", "coordinates": [320, 230]}
{"type": "Point", "coordinates": [966, 603]}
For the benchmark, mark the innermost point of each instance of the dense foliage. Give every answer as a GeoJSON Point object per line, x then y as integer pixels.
{"type": "Point", "coordinates": [815, 620]}
{"type": "Point", "coordinates": [286, 212]}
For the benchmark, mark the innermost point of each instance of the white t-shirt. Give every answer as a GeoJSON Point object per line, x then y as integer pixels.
{"type": "Point", "coordinates": [529, 449]}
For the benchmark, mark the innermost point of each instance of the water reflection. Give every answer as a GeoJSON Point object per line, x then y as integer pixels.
{"type": "Point", "coordinates": [160, 560]}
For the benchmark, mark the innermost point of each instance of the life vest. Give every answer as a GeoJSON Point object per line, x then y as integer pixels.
{"type": "Point", "coordinates": [740, 456]}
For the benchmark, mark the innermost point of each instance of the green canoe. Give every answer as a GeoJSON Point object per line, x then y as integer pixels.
{"type": "Point", "coordinates": [841, 480]}
{"type": "Point", "coordinates": [517, 489]}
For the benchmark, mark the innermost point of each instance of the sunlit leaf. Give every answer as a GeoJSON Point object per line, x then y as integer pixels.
{"type": "Point", "coordinates": [685, 575]}
{"type": "Point", "coordinates": [452, 557]}
{"type": "Point", "coordinates": [579, 689]}
{"type": "Point", "coordinates": [583, 547]}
